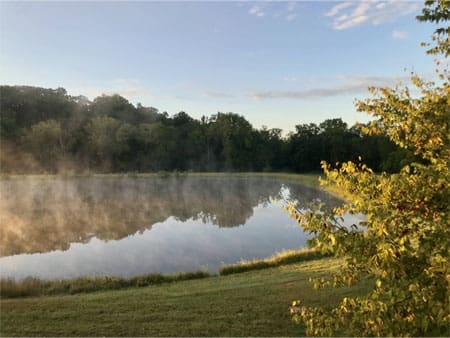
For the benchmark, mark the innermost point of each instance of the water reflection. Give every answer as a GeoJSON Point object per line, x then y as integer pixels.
{"type": "Point", "coordinates": [127, 226]}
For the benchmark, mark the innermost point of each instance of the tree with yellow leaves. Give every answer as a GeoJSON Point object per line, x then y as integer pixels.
{"type": "Point", "coordinates": [404, 243]}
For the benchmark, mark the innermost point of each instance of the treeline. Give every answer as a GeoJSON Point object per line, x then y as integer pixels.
{"type": "Point", "coordinates": [47, 130]}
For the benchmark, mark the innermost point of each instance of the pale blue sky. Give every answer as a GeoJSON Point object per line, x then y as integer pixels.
{"type": "Point", "coordinates": [276, 63]}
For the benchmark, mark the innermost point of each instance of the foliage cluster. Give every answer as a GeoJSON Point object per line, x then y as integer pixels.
{"type": "Point", "coordinates": [404, 242]}
{"type": "Point", "coordinates": [47, 130]}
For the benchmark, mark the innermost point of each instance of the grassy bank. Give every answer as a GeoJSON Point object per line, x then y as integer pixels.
{"type": "Point", "coordinates": [10, 288]}
{"type": "Point", "coordinates": [253, 303]}
{"type": "Point", "coordinates": [29, 287]}
{"type": "Point", "coordinates": [283, 258]}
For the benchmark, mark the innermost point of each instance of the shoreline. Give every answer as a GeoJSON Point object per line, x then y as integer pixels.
{"type": "Point", "coordinates": [34, 287]}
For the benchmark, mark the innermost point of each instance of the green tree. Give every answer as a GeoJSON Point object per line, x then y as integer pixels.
{"type": "Point", "coordinates": [232, 139]}
{"type": "Point", "coordinates": [45, 142]}
{"type": "Point", "coordinates": [337, 141]}
{"type": "Point", "coordinates": [106, 141]}
{"type": "Point", "coordinates": [24, 106]}
{"type": "Point", "coordinates": [115, 106]}
{"type": "Point", "coordinates": [269, 153]}
{"type": "Point", "coordinates": [404, 243]}
{"type": "Point", "coordinates": [306, 148]}
{"type": "Point", "coordinates": [158, 145]}
{"type": "Point", "coordinates": [188, 139]}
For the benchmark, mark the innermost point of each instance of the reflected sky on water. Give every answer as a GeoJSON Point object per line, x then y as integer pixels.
{"type": "Point", "coordinates": [66, 228]}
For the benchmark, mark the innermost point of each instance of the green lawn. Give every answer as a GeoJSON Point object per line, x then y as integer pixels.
{"type": "Point", "coordinates": [253, 303]}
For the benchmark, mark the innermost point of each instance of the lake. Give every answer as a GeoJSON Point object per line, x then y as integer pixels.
{"type": "Point", "coordinates": [58, 228]}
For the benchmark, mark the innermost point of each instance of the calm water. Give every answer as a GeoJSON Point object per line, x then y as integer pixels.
{"type": "Point", "coordinates": [65, 228]}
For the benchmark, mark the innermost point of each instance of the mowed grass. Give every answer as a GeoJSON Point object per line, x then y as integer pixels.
{"type": "Point", "coordinates": [11, 288]}
{"type": "Point", "coordinates": [253, 303]}
{"type": "Point", "coordinates": [282, 258]}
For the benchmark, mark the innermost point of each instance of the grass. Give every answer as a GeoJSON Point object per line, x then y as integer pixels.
{"type": "Point", "coordinates": [285, 257]}
{"type": "Point", "coordinates": [10, 288]}
{"type": "Point", "coordinates": [28, 287]}
{"type": "Point", "coordinates": [253, 303]}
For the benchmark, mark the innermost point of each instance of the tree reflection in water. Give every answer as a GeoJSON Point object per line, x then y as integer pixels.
{"type": "Point", "coordinates": [45, 214]}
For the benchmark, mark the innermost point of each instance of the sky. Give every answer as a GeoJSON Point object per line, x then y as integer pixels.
{"type": "Point", "coordinates": [277, 63]}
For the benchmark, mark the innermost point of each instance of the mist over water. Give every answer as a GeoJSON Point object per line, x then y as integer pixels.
{"type": "Point", "coordinates": [90, 226]}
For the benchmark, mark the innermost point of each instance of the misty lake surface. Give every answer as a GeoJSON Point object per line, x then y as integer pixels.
{"type": "Point", "coordinates": [58, 228]}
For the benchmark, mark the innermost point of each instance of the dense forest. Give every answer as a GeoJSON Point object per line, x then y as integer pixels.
{"type": "Point", "coordinates": [48, 131]}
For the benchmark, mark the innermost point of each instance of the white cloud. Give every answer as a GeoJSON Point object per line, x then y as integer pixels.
{"type": "Point", "coordinates": [129, 88]}
{"type": "Point", "coordinates": [290, 79]}
{"type": "Point", "coordinates": [274, 9]}
{"type": "Point", "coordinates": [291, 17]}
{"type": "Point", "coordinates": [217, 94]}
{"type": "Point", "coordinates": [349, 14]}
{"type": "Point", "coordinates": [399, 35]}
{"type": "Point", "coordinates": [381, 5]}
{"type": "Point", "coordinates": [291, 6]}
{"type": "Point", "coordinates": [337, 8]}
{"type": "Point", "coordinates": [301, 94]}
{"type": "Point", "coordinates": [349, 85]}
{"type": "Point", "coordinates": [377, 81]}
{"type": "Point", "coordinates": [257, 10]}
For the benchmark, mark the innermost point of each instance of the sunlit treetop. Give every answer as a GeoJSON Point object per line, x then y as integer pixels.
{"type": "Point", "coordinates": [438, 11]}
